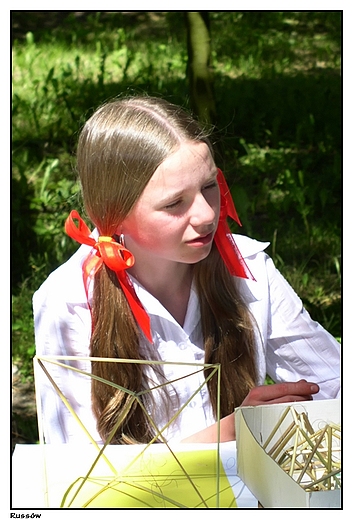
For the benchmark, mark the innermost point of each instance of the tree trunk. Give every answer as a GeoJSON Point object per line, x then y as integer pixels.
{"type": "Point", "coordinates": [199, 74]}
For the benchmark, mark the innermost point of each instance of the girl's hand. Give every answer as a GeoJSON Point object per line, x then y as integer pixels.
{"type": "Point", "coordinates": [281, 393]}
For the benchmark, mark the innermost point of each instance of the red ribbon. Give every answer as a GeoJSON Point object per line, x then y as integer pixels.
{"type": "Point", "coordinates": [224, 239]}
{"type": "Point", "coordinates": [113, 255]}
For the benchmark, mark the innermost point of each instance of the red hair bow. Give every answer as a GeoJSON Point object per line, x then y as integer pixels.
{"type": "Point", "coordinates": [113, 255]}
{"type": "Point", "coordinates": [224, 239]}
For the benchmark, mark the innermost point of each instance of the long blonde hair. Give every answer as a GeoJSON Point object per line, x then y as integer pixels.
{"type": "Point", "coordinates": [119, 149]}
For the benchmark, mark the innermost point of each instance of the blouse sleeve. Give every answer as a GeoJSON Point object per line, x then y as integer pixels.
{"type": "Point", "coordinates": [298, 347]}
{"type": "Point", "coordinates": [62, 329]}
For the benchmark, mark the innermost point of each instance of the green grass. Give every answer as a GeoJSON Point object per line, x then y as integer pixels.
{"type": "Point", "coordinates": [278, 136]}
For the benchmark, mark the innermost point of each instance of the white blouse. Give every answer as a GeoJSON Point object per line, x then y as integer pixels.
{"type": "Point", "coordinates": [290, 346]}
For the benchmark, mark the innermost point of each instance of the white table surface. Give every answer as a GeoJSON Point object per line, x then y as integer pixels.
{"type": "Point", "coordinates": [63, 463]}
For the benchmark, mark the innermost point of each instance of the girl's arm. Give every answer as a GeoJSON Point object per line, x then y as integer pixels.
{"type": "Point", "coordinates": [266, 394]}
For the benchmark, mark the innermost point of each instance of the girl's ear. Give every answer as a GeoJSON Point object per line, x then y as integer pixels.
{"type": "Point", "coordinates": [119, 230]}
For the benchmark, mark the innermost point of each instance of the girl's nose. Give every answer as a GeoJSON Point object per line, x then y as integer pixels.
{"type": "Point", "coordinates": [202, 213]}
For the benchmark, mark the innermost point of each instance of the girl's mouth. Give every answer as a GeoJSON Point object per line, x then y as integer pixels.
{"type": "Point", "coordinates": [201, 241]}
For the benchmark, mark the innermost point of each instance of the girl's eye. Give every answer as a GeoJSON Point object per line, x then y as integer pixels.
{"type": "Point", "coordinates": [173, 205]}
{"type": "Point", "coordinates": [177, 203]}
{"type": "Point", "coordinates": [211, 185]}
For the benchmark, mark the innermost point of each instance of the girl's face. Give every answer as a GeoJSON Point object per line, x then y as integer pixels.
{"type": "Point", "coordinates": [176, 217]}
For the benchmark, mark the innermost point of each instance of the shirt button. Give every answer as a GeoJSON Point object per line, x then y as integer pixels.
{"type": "Point", "coordinates": [192, 404]}
{"type": "Point", "coordinates": [182, 346]}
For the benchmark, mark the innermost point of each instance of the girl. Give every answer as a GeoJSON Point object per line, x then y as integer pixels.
{"type": "Point", "coordinates": [162, 279]}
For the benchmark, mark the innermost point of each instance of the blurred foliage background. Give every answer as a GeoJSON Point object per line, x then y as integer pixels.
{"type": "Point", "coordinates": [276, 82]}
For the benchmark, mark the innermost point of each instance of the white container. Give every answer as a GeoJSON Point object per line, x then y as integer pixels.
{"type": "Point", "coordinates": [268, 482]}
